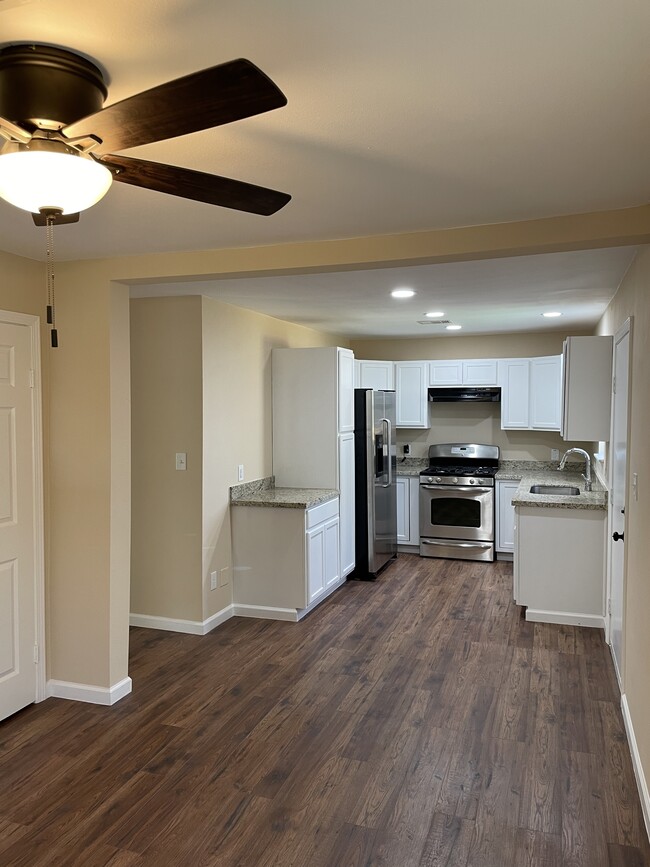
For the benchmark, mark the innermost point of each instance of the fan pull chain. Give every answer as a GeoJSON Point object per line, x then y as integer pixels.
{"type": "Point", "coordinates": [51, 311]}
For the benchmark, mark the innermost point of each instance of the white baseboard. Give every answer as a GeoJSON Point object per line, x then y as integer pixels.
{"type": "Point", "coordinates": [641, 782]}
{"type": "Point", "coordinates": [190, 627]}
{"type": "Point", "coordinates": [265, 612]}
{"type": "Point", "coordinates": [568, 618]}
{"type": "Point", "coordinates": [88, 693]}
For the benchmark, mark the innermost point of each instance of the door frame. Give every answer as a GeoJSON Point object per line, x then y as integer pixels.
{"type": "Point", "coordinates": [32, 322]}
{"type": "Point", "coordinates": [625, 328]}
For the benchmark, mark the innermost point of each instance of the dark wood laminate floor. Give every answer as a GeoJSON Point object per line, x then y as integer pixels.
{"type": "Point", "coordinates": [414, 721]}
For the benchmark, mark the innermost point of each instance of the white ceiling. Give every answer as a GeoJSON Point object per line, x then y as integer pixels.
{"type": "Point", "coordinates": [401, 117]}
{"type": "Point", "coordinates": [486, 297]}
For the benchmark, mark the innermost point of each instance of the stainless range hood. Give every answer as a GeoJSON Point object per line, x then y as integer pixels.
{"type": "Point", "coordinates": [465, 394]}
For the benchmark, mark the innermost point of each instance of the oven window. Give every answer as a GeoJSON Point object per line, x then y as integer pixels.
{"type": "Point", "coordinates": [455, 512]}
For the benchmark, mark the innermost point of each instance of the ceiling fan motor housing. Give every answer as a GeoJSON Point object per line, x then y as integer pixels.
{"type": "Point", "coordinates": [46, 87]}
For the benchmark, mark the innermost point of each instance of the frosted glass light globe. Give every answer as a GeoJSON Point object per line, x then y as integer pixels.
{"type": "Point", "coordinates": [37, 179]}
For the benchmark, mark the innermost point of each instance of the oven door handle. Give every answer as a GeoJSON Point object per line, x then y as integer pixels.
{"type": "Point", "coordinates": [452, 543]}
{"type": "Point", "coordinates": [460, 488]}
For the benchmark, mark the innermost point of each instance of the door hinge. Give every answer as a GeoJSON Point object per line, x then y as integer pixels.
{"type": "Point", "coordinates": [31, 378]}
{"type": "Point", "coordinates": [609, 606]}
{"type": "Point", "coordinates": [36, 654]}
{"type": "Point", "coordinates": [614, 385]}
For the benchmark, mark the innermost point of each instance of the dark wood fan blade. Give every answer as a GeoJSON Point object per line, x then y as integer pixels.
{"type": "Point", "coordinates": [202, 100]}
{"type": "Point", "coordinates": [200, 186]}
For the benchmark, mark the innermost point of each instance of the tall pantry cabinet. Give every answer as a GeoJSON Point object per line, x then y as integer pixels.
{"type": "Point", "coordinates": [313, 429]}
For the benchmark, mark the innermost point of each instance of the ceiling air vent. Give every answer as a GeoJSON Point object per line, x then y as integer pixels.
{"type": "Point", "coordinates": [434, 321]}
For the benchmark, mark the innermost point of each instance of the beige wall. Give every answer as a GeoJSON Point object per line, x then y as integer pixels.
{"type": "Point", "coordinates": [166, 418]}
{"type": "Point", "coordinates": [478, 346]}
{"type": "Point", "coordinates": [89, 499]}
{"type": "Point", "coordinates": [201, 383]}
{"type": "Point", "coordinates": [481, 423]}
{"type": "Point", "coordinates": [633, 299]}
{"type": "Point", "coordinates": [477, 423]}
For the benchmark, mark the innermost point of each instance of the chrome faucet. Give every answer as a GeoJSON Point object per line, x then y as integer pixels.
{"type": "Point", "coordinates": [587, 474]}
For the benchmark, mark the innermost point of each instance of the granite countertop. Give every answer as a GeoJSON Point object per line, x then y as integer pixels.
{"type": "Point", "coordinates": [530, 473]}
{"type": "Point", "coordinates": [262, 492]}
{"type": "Point", "coordinates": [411, 466]}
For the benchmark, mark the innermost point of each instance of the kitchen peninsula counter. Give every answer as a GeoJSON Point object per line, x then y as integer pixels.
{"type": "Point", "coordinates": [262, 492]}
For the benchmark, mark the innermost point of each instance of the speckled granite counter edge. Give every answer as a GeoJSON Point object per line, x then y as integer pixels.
{"type": "Point", "coordinates": [262, 492]}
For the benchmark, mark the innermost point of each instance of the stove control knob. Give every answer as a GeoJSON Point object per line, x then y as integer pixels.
{"type": "Point", "coordinates": [472, 481]}
{"type": "Point", "coordinates": [438, 480]}
{"type": "Point", "coordinates": [455, 480]}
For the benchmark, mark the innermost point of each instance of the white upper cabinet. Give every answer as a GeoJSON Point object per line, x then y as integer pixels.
{"type": "Point", "coordinates": [477, 372]}
{"type": "Point", "coordinates": [411, 379]}
{"type": "Point", "coordinates": [531, 392]}
{"type": "Point", "coordinates": [514, 379]}
{"type": "Point", "coordinates": [545, 392]}
{"type": "Point", "coordinates": [471, 372]}
{"type": "Point", "coordinates": [443, 373]}
{"type": "Point", "coordinates": [379, 375]}
{"type": "Point", "coordinates": [346, 390]}
{"type": "Point", "coordinates": [587, 392]}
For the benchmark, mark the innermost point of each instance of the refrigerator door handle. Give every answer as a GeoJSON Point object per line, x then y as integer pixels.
{"type": "Point", "coordinates": [387, 443]}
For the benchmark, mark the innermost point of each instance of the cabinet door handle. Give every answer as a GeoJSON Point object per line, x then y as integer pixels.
{"type": "Point", "coordinates": [618, 536]}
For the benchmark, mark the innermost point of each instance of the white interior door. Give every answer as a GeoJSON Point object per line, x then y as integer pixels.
{"type": "Point", "coordinates": [618, 476]}
{"type": "Point", "coordinates": [18, 629]}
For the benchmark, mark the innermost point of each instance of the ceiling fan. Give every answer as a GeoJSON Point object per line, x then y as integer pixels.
{"type": "Point", "coordinates": [57, 158]}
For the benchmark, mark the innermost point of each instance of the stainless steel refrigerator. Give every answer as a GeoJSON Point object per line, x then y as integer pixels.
{"type": "Point", "coordinates": [375, 456]}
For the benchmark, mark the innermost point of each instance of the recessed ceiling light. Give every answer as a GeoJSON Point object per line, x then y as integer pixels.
{"type": "Point", "coordinates": [402, 293]}
{"type": "Point", "coordinates": [436, 314]}
{"type": "Point", "coordinates": [453, 327]}
{"type": "Point", "coordinates": [552, 314]}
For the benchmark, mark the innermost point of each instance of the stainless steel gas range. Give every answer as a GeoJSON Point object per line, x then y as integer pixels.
{"type": "Point", "coordinates": [457, 501]}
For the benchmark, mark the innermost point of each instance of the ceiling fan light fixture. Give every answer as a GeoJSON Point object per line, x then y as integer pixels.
{"type": "Point", "coordinates": [51, 176]}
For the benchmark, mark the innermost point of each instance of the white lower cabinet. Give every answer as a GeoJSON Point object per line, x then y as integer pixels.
{"type": "Point", "coordinates": [505, 514]}
{"type": "Point", "coordinates": [408, 512]}
{"type": "Point", "coordinates": [285, 559]}
{"type": "Point", "coordinates": [558, 568]}
{"type": "Point", "coordinates": [403, 509]}
{"type": "Point", "coordinates": [322, 557]}
{"type": "Point", "coordinates": [346, 502]}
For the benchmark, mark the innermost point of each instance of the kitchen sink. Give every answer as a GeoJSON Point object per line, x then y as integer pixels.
{"type": "Point", "coordinates": [556, 490]}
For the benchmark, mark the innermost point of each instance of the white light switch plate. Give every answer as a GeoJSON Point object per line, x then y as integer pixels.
{"type": "Point", "coordinates": [240, 473]}
{"type": "Point", "coordinates": [181, 460]}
